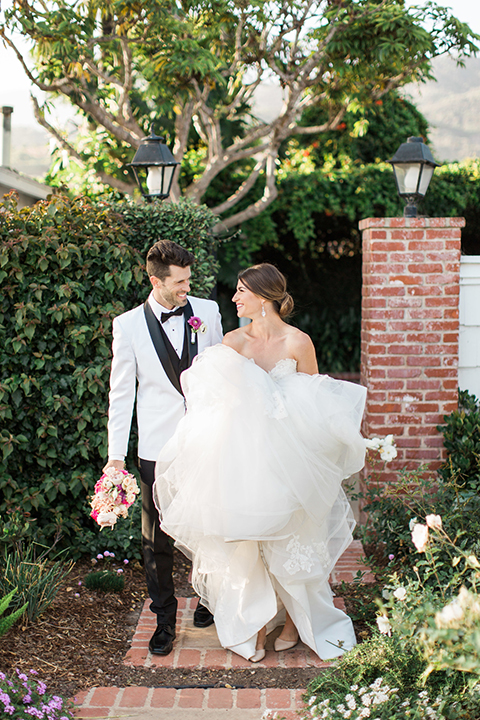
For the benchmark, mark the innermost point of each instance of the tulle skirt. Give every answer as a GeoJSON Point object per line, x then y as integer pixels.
{"type": "Point", "coordinates": [250, 488]}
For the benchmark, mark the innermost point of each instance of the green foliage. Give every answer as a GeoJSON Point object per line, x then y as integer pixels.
{"type": "Point", "coordinates": [185, 223]}
{"type": "Point", "coordinates": [104, 580]}
{"type": "Point", "coordinates": [125, 539]}
{"type": "Point", "coordinates": [198, 69]}
{"type": "Point", "coordinates": [461, 438]}
{"type": "Point", "coordinates": [454, 495]}
{"type": "Point", "coordinates": [35, 577]}
{"type": "Point", "coordinates": [67, 268]}
{"type": "Point", "coordinates": [7, 622]}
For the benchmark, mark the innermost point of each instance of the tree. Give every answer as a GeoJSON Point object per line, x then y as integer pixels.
{"type": "Point", "coordinates": [122, 63]}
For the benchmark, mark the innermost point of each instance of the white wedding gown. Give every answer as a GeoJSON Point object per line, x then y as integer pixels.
{"type": "Point", "coordinates": [250, 488]}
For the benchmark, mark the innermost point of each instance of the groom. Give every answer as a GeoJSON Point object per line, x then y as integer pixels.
{"type": "Point", "coordinates": [152, 345]}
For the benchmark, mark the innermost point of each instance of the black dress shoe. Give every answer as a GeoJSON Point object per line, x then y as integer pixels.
{"type": "Point", "coordinates": [202, 617]}
{"type": "Point", "coordinates": [161, 642]}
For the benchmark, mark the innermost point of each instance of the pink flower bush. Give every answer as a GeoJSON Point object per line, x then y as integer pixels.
{"type": "Point", "coordinates": [434, 522]}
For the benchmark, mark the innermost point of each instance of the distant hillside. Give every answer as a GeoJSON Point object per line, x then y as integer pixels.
{"type": "Point", "coordinates": [452, 107]}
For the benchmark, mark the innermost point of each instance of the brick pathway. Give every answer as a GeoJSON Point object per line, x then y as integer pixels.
{"type": "Point", "coordinates": [199, 648]}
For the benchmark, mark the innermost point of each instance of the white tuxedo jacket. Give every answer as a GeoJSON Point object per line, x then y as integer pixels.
{"type": "Point", "coordinates": [137, 371]}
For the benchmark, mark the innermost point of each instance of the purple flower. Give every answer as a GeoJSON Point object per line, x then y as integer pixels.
{"type": "Point", "coordinates": [391, 557]}
{"type": "Point", "coordinates": [27, 699]}
{"type": "Point", "coordinates": [119, 571]}
{"type": "Point", "coordinates": [33, 672]}
{"type": "Point", "coordinates": [34, 712]}
{"type": "Point", "coordinates": [99, 556]}
{"type": "Point", "coordinates": [41, 688]}
{"type": "Point", "coordinates": [125, 562]}
{"type": "Point", "coordinates": [195, 322]}
{"type": "Point", "coordinates": [79, 582]}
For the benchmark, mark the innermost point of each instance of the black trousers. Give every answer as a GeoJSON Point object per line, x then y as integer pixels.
{"type": "Point", "coordinates": [157, 551]}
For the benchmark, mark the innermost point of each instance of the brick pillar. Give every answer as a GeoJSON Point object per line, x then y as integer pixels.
{"type": "Point", "coordinates": [410, 327]}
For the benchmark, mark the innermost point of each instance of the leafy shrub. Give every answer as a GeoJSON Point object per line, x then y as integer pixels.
{"type": "Point", "coordinates": [35, 577]}
{"type": "Point", "coordinates": [461, 438]}
{"type": "Point", "coordinates": [454, 494]}
{"type": "Point", "coordinates": [125, 539]}
{"type": "Point", "coordinates": [105, 580]}
{"type": "Point", "coordinates": [7, 621]}
{"type": "Point", "coordinates": [67, 267]}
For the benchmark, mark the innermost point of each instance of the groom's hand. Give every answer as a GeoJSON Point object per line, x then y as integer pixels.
{"type": "Point", "coordinates": [117, 464]}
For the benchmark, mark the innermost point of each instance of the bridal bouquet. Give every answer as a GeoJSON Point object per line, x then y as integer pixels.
{"type": "Point", "coordinates": [114, 493]}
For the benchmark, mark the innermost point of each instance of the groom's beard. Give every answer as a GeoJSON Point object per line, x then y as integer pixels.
{"type": "Point", "coordinates": [171, 298]}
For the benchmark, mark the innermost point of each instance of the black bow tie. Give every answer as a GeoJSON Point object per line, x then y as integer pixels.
{"type": "Point", "coordinates": [167, 316]}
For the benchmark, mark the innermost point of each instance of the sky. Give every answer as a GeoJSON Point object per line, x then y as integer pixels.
{"type": "Point", "coordinates": [15, 86]}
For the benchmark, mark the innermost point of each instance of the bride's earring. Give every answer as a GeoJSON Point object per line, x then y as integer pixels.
{"type": "Point", "coordinates": [263, 310]}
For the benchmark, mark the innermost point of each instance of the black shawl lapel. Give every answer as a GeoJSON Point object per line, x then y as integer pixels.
{"type": "Point", "coordinates": [158, 339]}
{"type": "Point", "coordinates": [192, 347]}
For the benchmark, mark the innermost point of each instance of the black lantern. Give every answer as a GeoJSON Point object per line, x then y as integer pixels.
{"type": "Point", "coordinates": [413, 167]}
{"type": "Point", "coordinates": [154, 167]}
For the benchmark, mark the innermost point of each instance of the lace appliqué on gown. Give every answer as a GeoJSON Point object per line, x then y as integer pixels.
{"type": "Point", "coordinates": [274, 405]}
{"type": "Point", "coordinates": [305, 557]}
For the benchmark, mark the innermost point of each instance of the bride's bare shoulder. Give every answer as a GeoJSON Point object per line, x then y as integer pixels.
{"type": "Point", "coordinates": [235, 339]}
{"type": "Point", "coordinates": [298, 340]}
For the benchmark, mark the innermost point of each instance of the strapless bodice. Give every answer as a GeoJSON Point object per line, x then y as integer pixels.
{"type": "Point", "coordinates": [284, 367]}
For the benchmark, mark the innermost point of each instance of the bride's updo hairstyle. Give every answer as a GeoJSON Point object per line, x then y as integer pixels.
{"type": "Point", "coordinates": [268, 283]}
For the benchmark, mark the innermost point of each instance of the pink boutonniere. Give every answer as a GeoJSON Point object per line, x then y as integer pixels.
{"type": "Point", "coordinates": [196, 325]}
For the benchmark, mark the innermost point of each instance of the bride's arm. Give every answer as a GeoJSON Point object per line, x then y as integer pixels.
{"type": "Point", "coordinates": [303, 351]}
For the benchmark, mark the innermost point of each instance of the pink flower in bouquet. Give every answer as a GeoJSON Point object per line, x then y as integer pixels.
{"type": "Point", "coordinates": [115, 492]}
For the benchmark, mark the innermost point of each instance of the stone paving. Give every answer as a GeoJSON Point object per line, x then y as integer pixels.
{"type": "Point", "coordinates": [197, 648]}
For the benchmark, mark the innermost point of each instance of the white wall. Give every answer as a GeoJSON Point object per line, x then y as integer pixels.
{"type": "Point", "coordinates": [469, 340]}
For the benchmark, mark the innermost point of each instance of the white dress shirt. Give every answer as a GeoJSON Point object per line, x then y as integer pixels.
{"type": "Point", "coordinates": [174, 327]}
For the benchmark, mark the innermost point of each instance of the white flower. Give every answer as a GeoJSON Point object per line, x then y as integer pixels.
{"type": "Point", "coordinates": [386, 594]}
{"type": "Point", "coordinates": [434, 522]}
{"type": "Point", "coordinates": [420, 537]}
{"type": "Point", "coordinates": [412, 523]}
{"type": "Point", "coordinates": [373, 443]}
{"type": "Point", "coordinates": [451, 614]}
{"type": "Point", "coordinates": [106, 519]}
{"type": "Point", "coordinates": [400, 593]}
{"type": "Point", "coordinates": [388, 440]}
{"type": "Point", "coordinates": [388, 453]}
{"type": "Point", "coordinates": [384, 625]}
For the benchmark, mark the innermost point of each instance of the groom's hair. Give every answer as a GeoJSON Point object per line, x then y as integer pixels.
{"type": "Point", "coordinates": [165, 253]}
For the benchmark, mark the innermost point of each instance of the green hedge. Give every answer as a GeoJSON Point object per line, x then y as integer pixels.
{"type": "Point", "coordinates": [67, 267]}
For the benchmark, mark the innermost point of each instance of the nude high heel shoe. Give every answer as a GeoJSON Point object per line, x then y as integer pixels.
{"type": "Point", "coordinates": [280, 644]}
{"type": "Point", "coordinates": [259, 655]}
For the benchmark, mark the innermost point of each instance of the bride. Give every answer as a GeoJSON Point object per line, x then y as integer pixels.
{"type": "Point", "coordinates": [250, 484]}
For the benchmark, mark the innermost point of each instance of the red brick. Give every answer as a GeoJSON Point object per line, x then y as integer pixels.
{"type": "Point", "coordinates": [405, 350]}
{"type": "Point", "coordinates": [134, 697]}
{"type": "Point", "coordinates": [277, 698]}
{"type": "Point", "coordinates": [191, 698]}
{"type": "Point", "coordinates": [426, 268]}
{"type": "Point", "coordinates": [220, 698]}
{"type": "Point", "coordinates": [104, 696]}
{"type": "Point", "coordinates": [416, 245]}
{"type": "Point", "coordinates": [409, 257]}
{"type": "Point", "coordinates": [188, 658]}
{"type": "Point", "coordinates": [425, 291]}
{"type": "Point", "coordinates": [163, 697]}
{"type": "Point", "coordinates": [80, 697]}
{"type": "Point", "coordinates": [163, 660]}
{"type": "Point", "coordinates": [89, 712]}
{"type": "Point", "coordinates": [238, 661]}
{"type": "Point", "coordinates": [407, 234]}
{"type": "Point", "coordinates": [249, 698]}
{"type": "Point", "coordinates": [387, 291]}
{"type": "Point", "coordinates": [215, 659]}
{"type": "Point", "coordinates": [443, 233]}
{"type": "Point", "coordinates": [406, 279]}
{"type": "Point", "coordinates": [378, 234]}
{"type": "Point", "coordinates": [432, 313]}
{"type": "Point", "coordinates": [295, 658]}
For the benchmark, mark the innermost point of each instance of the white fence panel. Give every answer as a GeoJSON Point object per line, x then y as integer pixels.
{"type": "Point", "coordinates": [469, 340]}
